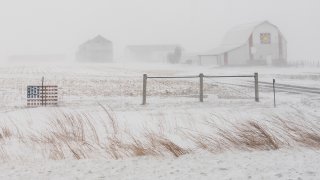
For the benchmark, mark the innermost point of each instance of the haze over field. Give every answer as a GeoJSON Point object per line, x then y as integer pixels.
{"type": "Point", "coordinates": [59, 26]}
{"type": "Point", "coordinates": [159, 89]}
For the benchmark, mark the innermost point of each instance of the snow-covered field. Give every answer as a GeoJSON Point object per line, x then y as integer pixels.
{"type": "Point", "coordinates": [282, 164]}
{"type": "Point", "coordinates": [100, 130]}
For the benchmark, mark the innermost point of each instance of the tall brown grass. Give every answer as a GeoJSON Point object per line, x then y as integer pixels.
{"type": "Point", "coordinates": [306, 133]}
{"type": "Point", "coordinates": [5, 132]}
{"type": "Point", "coordinates": [250, 136]}
{"type": "Point", "coordinates": [74, 135]}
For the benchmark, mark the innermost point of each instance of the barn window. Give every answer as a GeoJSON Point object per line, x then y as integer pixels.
{"type": "Point", "coordinates": [265, 38]}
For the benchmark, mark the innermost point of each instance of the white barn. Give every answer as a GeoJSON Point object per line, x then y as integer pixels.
{"type": "Point", "coordinates": [98, 49]}
{"type": "Point", "coordinates": [259, 43]}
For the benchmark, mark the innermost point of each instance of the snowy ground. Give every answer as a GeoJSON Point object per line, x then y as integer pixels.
{"type": "Point", "coordinates": [108, 98]}
{"type": "Point", "coordinates": [283, 164]}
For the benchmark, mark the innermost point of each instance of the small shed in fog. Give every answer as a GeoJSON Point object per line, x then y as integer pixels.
{"type": "Point", "coordinates": [98, 49]}
{"type": "Point", "coordinates": [151, 53]}
{"type": "Point", "coordinates": [259, 43]}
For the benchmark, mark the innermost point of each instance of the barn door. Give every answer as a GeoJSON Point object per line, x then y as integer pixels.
{"type": "Point", "coordinates": [226, 59]}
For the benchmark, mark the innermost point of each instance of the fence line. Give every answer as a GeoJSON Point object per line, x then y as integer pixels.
{"type": "Point", "coordinates": [226, 76]}
{"type": "Point", "coordinates": [201, 77]}
{"type": "Point", "coordinates": [172, 77]}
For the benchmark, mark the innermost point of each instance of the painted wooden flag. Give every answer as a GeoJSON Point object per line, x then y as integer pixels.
{"type": "Point", "coordinates": [42, 95]}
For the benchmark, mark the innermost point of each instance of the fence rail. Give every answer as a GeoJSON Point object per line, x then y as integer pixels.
{"type": "Point", "coordinates": [172, 77]}
{"type": "Point", "coordinates": [226, 76]}
{"type": "Point", "coordinates": [201, 77]}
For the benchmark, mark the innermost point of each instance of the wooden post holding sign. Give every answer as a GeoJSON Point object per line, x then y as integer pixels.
{"type": "Point", "coordinates": [274, 93]}
{"type": "Point", "coordinates": [256, 87]}
{"type": "Point", "coordinates": [42, 82]}
{"type": "Point", "coordinates": [144, 91]}
{"type": "Point", "coordinates": [201, 87]}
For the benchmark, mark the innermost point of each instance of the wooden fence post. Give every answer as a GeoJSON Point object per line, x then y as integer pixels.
{"type": "Point", "coordinates": [201, 87]}
{"type": "Point", "coordinates": [256, 87]}
{"type": "Point", "coordinates": [144, 91]}
{"type": "Point", "coordinates": [274, 93]}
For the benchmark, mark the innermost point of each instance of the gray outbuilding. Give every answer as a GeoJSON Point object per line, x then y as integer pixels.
{"type": "Point", "coordinates": [98, 49]}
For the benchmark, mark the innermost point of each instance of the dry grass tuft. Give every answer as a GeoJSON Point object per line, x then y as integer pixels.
{"type": "Point", "coordinates": [161, 144]}
{"type": "Point", "coordinates": [112, 118]}
{"type": "Point", "coordinates": [75, 135]}
{"type": "Point", "coordinates": [56, 152]}
{"type": "Point", "coordinates": [68, 135]}
{"type": "Point", "coordinates": [248, 136]}
{"type": "Point", "coordinates": [306, 134]}
{"type": "Point", "coordinates": [172, 147]}
{"type": "Point", "coordinates": [138, 148]}
{"type": "Point", "coordinates": [5, 132]}
{"type": "Point", "coordinates": [254, 136]}
{"type": "Point", "coordinates": [113, 147]}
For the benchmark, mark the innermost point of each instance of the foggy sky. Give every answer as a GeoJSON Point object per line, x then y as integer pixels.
{"type": "Point", "coordinates": [59, 26]}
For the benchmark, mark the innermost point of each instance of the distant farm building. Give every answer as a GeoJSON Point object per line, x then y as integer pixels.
{"type": "Point", "coordinates": [154, 53]}
{"type": "Point", "coordinates": [259, 43]}
{"type": "Point", "coordinates": [97, 49]}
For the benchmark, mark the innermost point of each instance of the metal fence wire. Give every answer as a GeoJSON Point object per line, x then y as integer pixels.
{"type": "Point", "coordinates": [235, 90]}
{"type": "Point", "coordinates": [199, 80]}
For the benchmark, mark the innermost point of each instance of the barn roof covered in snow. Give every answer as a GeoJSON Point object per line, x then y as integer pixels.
{"type": "Point", "coordinates": [235, 38]}
{"type": "Point", "coordinates": [97, 40]}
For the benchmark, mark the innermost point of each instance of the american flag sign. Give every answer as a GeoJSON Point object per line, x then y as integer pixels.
{"type": "Point", "coordinates": [42, 95]}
